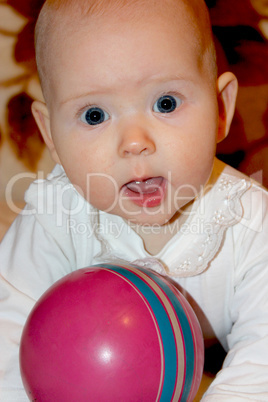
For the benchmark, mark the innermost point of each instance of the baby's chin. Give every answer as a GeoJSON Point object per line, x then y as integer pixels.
{"type": "Point", "coordinates": [159, 220]}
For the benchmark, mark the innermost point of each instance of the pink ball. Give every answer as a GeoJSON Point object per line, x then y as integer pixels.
{"type": "Point", "coordinates": [112, 333]}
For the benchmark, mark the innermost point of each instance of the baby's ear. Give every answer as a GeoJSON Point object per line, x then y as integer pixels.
{"type": "Point", "coordinates": [41, 115]}
{"type": "Point", "coordinates": [227, 91]}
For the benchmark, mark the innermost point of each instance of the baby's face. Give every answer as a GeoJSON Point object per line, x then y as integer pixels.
{"type": "Point", "coordinates": [134, 116]}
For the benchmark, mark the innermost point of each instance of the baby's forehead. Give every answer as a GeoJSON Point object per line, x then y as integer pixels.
{"type": "Point", "coordinates": [69, 17]}
{"type": "Point", "coordinates": [63, 19]}
{"type": "Point", "coordinates": [79, 11]}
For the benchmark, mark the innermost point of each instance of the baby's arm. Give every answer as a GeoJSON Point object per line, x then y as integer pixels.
{"type": "Point", "coordinates": [244, 375]}
{"type": "Point", "coordinates": [245, 371]}
{"type": "Point", "coordinates": [31, 260]}
{"type": "Point", "coordinates": [42, 246]}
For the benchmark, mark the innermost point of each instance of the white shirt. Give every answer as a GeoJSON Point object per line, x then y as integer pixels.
{"type": "Point", "coordinates": [219, 257]}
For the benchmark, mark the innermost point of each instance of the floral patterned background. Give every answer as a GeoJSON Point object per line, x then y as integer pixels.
{"type": "Point", "coordinates": [241, 32]}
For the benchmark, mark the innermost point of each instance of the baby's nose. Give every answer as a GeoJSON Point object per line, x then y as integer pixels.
{"type": "Point", "coordinates": [135, 141]}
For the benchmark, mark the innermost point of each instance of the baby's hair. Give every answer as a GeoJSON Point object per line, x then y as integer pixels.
{"type": "Point", "coordinates": [73, 12]}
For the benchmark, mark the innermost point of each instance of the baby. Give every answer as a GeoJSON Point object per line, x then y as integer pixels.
{"type": "Point", "coordinates": [132, 114]}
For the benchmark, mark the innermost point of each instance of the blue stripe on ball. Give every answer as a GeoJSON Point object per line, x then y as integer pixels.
{"type": "Point", "coordinates": [186, 333]}
{"type": "Point", "coordinates": [166, 331]}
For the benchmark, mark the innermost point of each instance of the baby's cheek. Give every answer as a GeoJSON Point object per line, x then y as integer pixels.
{"type": "Point", "coordinates": [101, 190]}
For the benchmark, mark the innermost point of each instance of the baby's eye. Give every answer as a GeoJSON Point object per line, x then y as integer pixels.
{"type": "Point", "coordinates": [94, 115]}
{"type": "Point", "coordinates": [166, 104]}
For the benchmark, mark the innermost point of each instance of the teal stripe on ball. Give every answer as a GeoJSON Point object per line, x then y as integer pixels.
{"type": "Point", "coordinates": [186, 333]}
{"type": "Point", "coordinates": [166, 331]}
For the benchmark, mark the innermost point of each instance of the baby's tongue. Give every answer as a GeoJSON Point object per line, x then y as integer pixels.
{"type": "Point", "coordinates": [146, 186]}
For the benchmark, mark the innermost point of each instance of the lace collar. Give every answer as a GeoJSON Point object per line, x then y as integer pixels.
{"type": "Point", "coordinates": [217, 210]}
{"type": "Point", "coordinates": [199, 238]}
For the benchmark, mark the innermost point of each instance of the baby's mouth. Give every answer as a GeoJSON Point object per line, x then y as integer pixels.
{"type": "Point", "coordinates": [147, 186]}
{"type": "Point", "coordinates": [148, 193]}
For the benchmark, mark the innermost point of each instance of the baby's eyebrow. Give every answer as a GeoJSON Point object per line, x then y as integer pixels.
{"type": "Point", "coordinates": [111, 90]}
{"type": "Point", "coordinates": [83, 95]}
